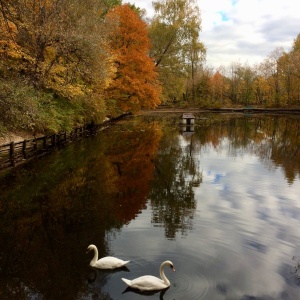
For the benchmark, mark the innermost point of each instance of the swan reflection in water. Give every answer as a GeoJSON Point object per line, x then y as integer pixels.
{"type": "Point", "coordinates": [103, 274]}
{"type": "Point", "coordinates": [147, 293]}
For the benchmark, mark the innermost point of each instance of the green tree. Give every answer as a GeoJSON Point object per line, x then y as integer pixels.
{"type": "Point", "coordinates": [174, 33]}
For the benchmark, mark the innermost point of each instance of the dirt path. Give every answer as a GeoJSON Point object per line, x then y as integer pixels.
{"type": "Point", "coordinates": [15, 137]}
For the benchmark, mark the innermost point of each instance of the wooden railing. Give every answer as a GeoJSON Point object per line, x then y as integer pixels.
{"type": "Point", "coordinates": [14, 153]}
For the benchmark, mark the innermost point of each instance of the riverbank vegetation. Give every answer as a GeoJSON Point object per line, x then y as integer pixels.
{"type": "Point", "coordinates": [65, 63]}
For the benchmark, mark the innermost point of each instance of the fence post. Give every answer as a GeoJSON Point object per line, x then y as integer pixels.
{"type": "Point", "coordinates": [45, 143]}
{"type": "Point", "coordinates": [35, 146]}
{"type": "Point", "coordinates": [54, 140]}
{"type": "Point", "coordinates": [24, 150]}
{"type": "Point", "coordinates": [12, 153]}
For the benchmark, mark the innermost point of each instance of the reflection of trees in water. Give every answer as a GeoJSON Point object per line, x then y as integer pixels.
{"type": "Point", "coordinates": [282, 146]}
{"type": "Point", "coordinates": [53, 209]}
{"type": "Point", "coordinates": [172, 195]}
{"type": "Point", "coordinates": [275, 139]}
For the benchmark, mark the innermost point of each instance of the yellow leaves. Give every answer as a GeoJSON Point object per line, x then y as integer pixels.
{"type": "Point", "coordinates": [58, 80]}
{"type": "Point", "coordinates": [8, 47]}
{"type": "Point", "coordinates": [8, 29]}
{"type": "Point", "coordinates": [50, 53]}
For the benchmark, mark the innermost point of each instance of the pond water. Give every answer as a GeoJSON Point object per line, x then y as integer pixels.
{"type": "Point", "coordinates": [220, 200]}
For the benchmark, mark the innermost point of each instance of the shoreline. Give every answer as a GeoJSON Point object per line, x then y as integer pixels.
{"type": "Point", "coordinates": [21, 136]}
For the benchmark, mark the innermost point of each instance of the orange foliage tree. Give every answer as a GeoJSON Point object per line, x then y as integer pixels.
{"type": "Point", "coordinates": [218, 87]}
{"type": "Point", "coordinates": [135, 84]}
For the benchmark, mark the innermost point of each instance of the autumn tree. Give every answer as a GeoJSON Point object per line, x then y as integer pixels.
{"type": "Point", "coordinates": [193, 54]}
{"type": "Point", "coordinates": [52, 41]}
{"type": "Point", "coordinates": [235, 82]}
{"type": "Point", "coordinates": [289, 64]}
{"type": "Point", "coordinates": [176, 48]}
{"type": "Point", "coordinates": [270, 69]}
{"type": "Point", "coordinates": [295, 69]}
{"type": "Point", "coordinates": [247, 92]}
{"type": "Point", "coordinates": [203, 85]}
{"type": "Point", "coordinates": [57, 46]}
{"type": "Point", "coordinates": [261, 90]}
{"type": "Point", "coordinates": [218, 88]}
{"type": "Point", "coordinates": [135, 84]}
{"type": "Point", "coordinates": [108, 4]}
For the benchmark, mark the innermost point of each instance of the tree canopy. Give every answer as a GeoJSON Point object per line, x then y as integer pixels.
{"type": "Point", "coordinates": [135, 84]}
{"type": "Point", "coordinates": [174, 32]}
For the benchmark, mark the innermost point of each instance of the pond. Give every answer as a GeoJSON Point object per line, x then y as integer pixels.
{"type": "Point", "coordinates": [219, 199]}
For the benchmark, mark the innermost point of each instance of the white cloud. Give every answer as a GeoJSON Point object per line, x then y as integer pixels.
{"type": "Point", "coordinates": [244, 31]}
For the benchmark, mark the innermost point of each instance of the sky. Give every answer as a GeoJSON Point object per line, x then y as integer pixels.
{"type": "Point", "coordinates": [243, 31]}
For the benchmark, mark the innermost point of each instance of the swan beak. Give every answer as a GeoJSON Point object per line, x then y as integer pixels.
{"type": "Point", "coordinates": [88, 250]}
{"type": "Point", "coordinates": [173, 269]}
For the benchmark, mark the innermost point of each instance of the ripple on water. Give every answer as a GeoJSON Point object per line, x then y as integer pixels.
{"type": "Point", "coordinates": [197, 287]}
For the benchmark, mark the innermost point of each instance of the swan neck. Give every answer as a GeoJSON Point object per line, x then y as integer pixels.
{"type": "Point", "coordinates": [95, 258]}
{"type": "Point", "coordinates": [162, 274]}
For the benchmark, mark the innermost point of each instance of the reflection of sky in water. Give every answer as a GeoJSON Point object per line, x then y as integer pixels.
{"type": "Point", "coordinates": [246, 232]}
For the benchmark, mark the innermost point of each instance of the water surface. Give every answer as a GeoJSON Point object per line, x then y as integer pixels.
{"type": "Point", "coordinates": [221, 201]}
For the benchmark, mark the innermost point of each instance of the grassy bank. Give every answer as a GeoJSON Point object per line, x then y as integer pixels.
{"type": "Point", "coordinates": [26, 111]}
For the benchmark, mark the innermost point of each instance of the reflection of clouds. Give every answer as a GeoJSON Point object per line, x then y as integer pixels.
{"type": "Point", "coordinates": [259, 222]}
{"type": "Point", "coordinates": [213, 177]}
{"type": "Point", "coordinates": [263, 213]}
{"type": "Point", "coordinates": [287, 210]}
{"type": "Point", "coordinates": [256, 246]}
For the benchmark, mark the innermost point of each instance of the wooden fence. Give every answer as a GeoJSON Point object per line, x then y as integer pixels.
{"type": "Point", "coordinates": [12, 154]}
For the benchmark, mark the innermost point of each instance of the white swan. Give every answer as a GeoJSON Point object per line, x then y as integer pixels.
{"type": "Point", "coordinates": [108, 262]}
{"type": "Point", "coordinates": [149, 282]}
